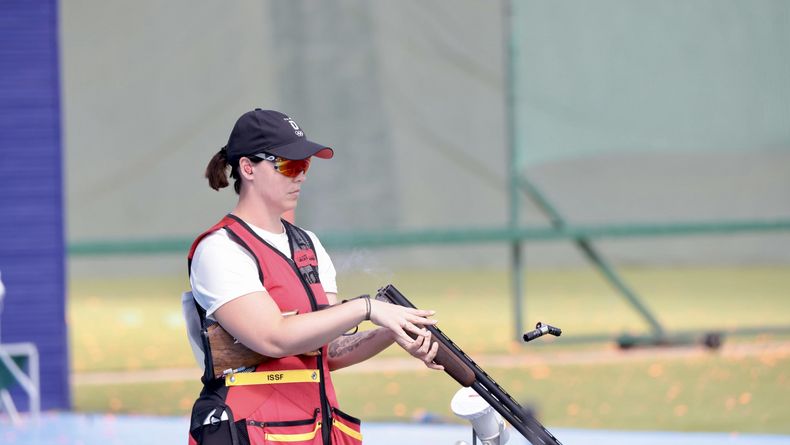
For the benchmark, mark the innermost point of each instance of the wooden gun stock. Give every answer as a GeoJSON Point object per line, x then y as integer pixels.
{"type": "Point", "coordinates": [466, 372]}
{"type": "Point", "coordinates": [229, 354]}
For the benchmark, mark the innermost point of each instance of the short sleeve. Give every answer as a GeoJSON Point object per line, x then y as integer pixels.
{"type": "Point", "coordinates": [221, 271]}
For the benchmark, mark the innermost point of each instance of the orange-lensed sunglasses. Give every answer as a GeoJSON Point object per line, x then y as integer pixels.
{"type": "Point", "coordinates": [288, 167]}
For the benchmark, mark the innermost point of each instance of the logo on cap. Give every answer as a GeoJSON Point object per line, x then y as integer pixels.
{"type": "Point", "coordinates": [297, 130]}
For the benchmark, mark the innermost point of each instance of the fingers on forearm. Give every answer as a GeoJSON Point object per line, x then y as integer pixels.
{"type": "Point", "coordinates": [423, 321]}
{"type": "Point", "coordinates": [404, 337]}
{"type": "Point", "coordinates": [422, 312]}
{"type": "Point", "coordinates": [434, 349]}
{"type": "Point", "coordinates": [421, 316]}
{"type": "Point", "coordinates": [431, 356]}
{"type": "Point", "coordinates": [425, 347]}
{"type": "Point", "coordinates": [414, 345]}
{"type": "Point", "coordinates": [414, 329]}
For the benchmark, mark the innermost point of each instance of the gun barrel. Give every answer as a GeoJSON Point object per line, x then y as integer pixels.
{"type": "Point", "coordinates": [483, 384]}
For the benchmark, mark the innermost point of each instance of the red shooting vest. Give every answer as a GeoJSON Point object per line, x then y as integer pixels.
{"type": "Point", "coordinates": [293, 413]}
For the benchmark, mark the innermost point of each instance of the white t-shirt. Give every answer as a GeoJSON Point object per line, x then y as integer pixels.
{"type": "Point", "coordinates": [222, 270]}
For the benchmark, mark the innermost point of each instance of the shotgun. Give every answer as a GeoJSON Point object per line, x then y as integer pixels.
{"type": "Point", "coordinates": [466, 372]}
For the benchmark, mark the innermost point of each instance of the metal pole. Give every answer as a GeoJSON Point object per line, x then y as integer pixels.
{"type": "Point", "coordinates": [514, 164]}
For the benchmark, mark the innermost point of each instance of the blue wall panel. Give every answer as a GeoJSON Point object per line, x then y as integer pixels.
{"type": "Point", "coordinates": [31, 191]}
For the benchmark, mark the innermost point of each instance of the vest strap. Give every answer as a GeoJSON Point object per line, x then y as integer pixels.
{"type": "Point", "coordinates": [273, 377]}
{"type": "Point", "coordinates": [346, 429]}
{"type": "Point", "coordinates": [299, 437]}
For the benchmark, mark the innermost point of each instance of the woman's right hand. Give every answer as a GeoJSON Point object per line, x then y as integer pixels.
{"type": "Point", "coordinates": [401, 320]}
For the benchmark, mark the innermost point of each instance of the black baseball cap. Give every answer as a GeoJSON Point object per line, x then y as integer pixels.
{"type": "Point", "coordinates": [274, 133]}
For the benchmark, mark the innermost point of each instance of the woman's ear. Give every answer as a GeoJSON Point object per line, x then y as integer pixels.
{"type": "Point", "coordinates": [245, 166]}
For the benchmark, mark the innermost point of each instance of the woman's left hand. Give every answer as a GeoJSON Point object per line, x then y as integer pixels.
{"type": "Point", "coordinates": [422, 348]}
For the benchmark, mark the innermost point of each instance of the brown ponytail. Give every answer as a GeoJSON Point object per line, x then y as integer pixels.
{"type": "Point", "coordinates": [217, 170]}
